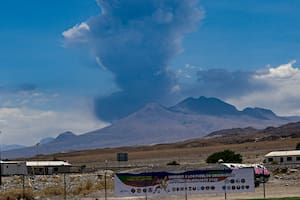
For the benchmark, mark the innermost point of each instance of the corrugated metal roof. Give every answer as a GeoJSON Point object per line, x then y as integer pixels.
{"type": "Point", "coordinates": [46, 163]}
{"type": "Point", "coordinates": [283, 153]}
{"type": "Point", "coordinates": [38, 163]}
{"type": "Point", "coordinates": [11, 162]}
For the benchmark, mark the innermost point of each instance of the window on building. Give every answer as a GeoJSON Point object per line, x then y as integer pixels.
{"type": "Point", "coordinates": [289, 159]}
{"type": "Point", "coordinates": [298, 158]}
{"type": "Point", "coordinates": [281, 159]}
{"type": "Point", "coordinates": [270, 159]}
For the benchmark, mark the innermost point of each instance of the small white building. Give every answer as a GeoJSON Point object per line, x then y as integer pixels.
{"type": "Point", "coordinates": [9, 168]}
{"type": "Point", "coordinates": [283, 157]}
{"type": "Point", "coordinates": [47, 167]}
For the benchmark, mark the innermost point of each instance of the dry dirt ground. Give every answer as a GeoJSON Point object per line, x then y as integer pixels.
{"type": "Point", "coordinates": [190, 155]}
{"type": "Point", "coordinates": [271, 191]}
{"type": "Point", "coordinates": [281, 185]}
{"type": "Point", "coordinates": [183, 152]}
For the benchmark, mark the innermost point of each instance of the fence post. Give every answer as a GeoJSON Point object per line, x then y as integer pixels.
{"type": "Point", "coordinates": [185, 184]}
{"type": "Point", "coordinates": [225, 185]}
{"type": "Point", "coordinates": [105, 184]}
{"type": "Point", "coordinates": [65, 187]}
{"type": "Point", "coordinates": [264, 186]}
{"type": "Point", "coordinates": [23, 186]}
{"type": "Point", "coordinates": [146, 196]}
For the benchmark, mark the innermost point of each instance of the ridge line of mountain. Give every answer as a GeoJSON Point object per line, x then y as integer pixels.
{"type": "Point", "coordinates": [154, 123]}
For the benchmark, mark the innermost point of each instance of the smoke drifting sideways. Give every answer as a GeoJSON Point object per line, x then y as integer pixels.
{"type": "Point", "coordinates": [136, 40]}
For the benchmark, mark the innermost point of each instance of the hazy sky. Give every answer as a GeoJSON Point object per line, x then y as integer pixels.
{"type": "Point", "coordinates": [76, 65]}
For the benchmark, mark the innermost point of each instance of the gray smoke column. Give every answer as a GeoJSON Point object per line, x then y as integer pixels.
{"type": "Point", "coordinates": [135, 40]}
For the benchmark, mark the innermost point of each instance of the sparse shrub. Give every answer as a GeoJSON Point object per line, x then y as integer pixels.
{"type": "Point", "coordinates": [57, 178]}
{"type": "Point", "coordinates": [101, 185]}
{"type": "Point", "coordinates": [298, 146]}
{"type": "Point", "coordinates": [74, 179]}
{"type": "Point", "coordinates": [43, 179]}
{"type": "Point", "coordinates": [88, 185]}
{"type": "Point", "coordinates": [84, 188]}
{"type": "Point", "coordinates": [226, 156]}
{"type": "Point", "coordinates": [174, 162]}
{"type": "Point", "coordinates": [280, 170]}
{"type": "Point", "coordinates": [55, 158]}
{"type": "Point", "coordinates": [274, 163]}
{"type": "Point", "coordinates": [52, 191]}
{"type": "Point", "coordinates": [17, 194]}
{"type": "Point", "coordinates": [284, 170]}
{"type": "Point", "coordinates": [82, 168]}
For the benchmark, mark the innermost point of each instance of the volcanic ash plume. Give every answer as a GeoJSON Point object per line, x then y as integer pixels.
{"type": "Point", "coordinates": [135, 40]}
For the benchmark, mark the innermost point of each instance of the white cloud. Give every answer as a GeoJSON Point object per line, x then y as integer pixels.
{"type": "Point", "coordinates": [28, 116]}
{"type": "Point", "coordinates": [282, 93]}
{"type": "Point", "coordinates": [187, 72]}
{"type": "Point", "coordinates": [99, 62]}
{"type": "Point", "coordinates": [280, 72]}
{"type": "Point", "coordinates": [162, 17]}
{"type": "Point", "coordinates": [179, 73]}
{"type": "Point", "coordinates": [175, 89]}
{"type": "Point", "coordinates": [77, 32]}
{"type": "Point", "coordinates": [27, 126]}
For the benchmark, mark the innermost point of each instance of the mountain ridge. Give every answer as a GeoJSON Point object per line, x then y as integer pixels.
{"type": "Point", "coordinates": [154, 123]}
{"type": "Point", "coordinates": [203, 105]}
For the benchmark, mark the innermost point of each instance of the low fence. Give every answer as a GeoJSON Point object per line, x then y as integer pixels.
{"type": "Point", "coordinates": [100, 185]}
{"type": "Point", "coordinates": [61, 186]}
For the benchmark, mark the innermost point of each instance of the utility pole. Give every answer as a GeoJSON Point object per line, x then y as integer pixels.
{"type": "Point", "coordinates": [185, 185]}
{"type": "Point", "coordinates": [37, 149]}
{"type": "Point", "coordinates": [225, 186]}
{"type": "Point", "coordinates": [23, 186]}
{"type": "Point", "coordinates": [264, 183]}
{"type": "Point", "coordinates": [65, 187]}
{"type": "Point", "coordinates": [0, 159]}
{"type": "Point", "coordinates": [105, 183]}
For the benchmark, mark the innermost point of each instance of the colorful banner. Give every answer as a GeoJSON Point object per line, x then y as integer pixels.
{"type": "Point", "coordinates": [190, 182]}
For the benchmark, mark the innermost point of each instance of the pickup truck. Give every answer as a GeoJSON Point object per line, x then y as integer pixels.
{"type": "Point", "coordinates": [261, 173]}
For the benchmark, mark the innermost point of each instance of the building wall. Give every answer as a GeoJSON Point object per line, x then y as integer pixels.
{"type": "Point", "coordinates": [283, 159]}
{"type": "Point", "coordinates": [47, 170]}
{"type": "Point", "coordinates": [9, 169]}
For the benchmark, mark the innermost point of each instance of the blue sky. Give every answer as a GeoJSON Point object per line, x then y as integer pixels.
{"type": "Point", "coordinates": [245, 34]}
{"type": "Point", "coordinates": [76, 65]}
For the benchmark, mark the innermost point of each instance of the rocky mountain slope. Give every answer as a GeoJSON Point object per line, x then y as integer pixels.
{"type": "Point", "coordinates": [190, 118]}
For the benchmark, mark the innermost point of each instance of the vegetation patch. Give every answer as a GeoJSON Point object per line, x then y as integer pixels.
{"type": "Point", "coordinates": [101, 184]}
{"type": "Point", "coordinates": [174, 162]}
{"type": "Point", "coordinates": [226, 156]}
{"type": "Point", "coordinates": [84, 188]}
{"type": "Point", "coordinates": [52, 191]}
{"type": "Point", "coordinates": [298, 146]}
{"type": "Point", "coordinates": [283, 198]}
{"type": "Point", "coordinates": [17, 194]}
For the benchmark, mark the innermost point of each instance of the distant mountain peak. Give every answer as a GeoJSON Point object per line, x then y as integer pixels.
{"type": "Point", "coordinates": [204, 105]}
{"type": "Point", "coordinates": [66, 135]}
{"type": "Point", "coordinates": [259, 113]}
{"type": "Point", "coordinates": [46, 140]}
{"type": "Point", "coordinates": [154, 123]}
{"type": "Point", "coordinates": [5, 147]}
{"type": "Point", "coordinates": [152, 107]}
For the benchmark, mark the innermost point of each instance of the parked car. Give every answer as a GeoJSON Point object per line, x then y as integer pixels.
{"type": "Point", "coordinates": [261, 173]}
